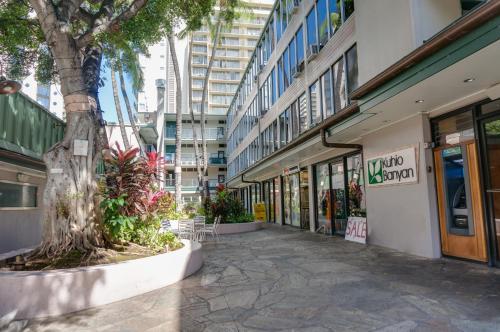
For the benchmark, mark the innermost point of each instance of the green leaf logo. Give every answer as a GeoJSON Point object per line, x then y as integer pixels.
{"type": "Point", "coordinates": [375, 171]}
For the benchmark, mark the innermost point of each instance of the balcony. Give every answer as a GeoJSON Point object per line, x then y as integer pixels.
{"type": "Point", "coordinates": [187, 134]}
{"type": "Point", "coordinates": [188, 159]}
{"type": "Point", "coordinates": [216, 161]}
{"type": "Point", "coordinates": [189, 185]}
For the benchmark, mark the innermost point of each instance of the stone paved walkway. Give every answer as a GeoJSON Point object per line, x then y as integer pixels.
{"type": "Point", "coordinates": [281, 279]}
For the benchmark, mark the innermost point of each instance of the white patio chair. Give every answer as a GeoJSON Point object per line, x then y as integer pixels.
{"type": "Point", "coordinates": [211, 229]}
{"type": "Point", "coordinates": [199, 228]}
{"type": "Point", "coordinates": [186, 229]}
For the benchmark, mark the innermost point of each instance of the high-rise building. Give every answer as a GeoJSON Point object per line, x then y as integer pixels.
{"type": "Point", "coordinates": [47, 95]}
{"type": "Point", "coordinates": [231, 58]}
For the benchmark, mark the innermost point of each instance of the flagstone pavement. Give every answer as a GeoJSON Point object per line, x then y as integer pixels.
{"type": "Point", "coordinates": [283, 279]}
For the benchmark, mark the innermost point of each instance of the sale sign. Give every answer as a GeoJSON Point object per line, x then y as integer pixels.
{"type": "Point", "coordinates": [356, 230]}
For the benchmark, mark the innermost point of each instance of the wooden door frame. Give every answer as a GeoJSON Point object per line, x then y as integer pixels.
{"type": "Point", "coordinates": [477, 200]}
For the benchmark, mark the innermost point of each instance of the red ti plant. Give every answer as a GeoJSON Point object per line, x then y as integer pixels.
{"type": "Point", "coordinates": [130, 176]}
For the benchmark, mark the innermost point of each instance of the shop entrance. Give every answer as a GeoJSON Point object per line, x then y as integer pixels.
{"type": "Point", "coordinates": [490, 138]}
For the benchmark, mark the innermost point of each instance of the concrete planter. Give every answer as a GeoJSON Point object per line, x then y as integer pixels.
{"type": "Point", "coordinates": [239, 228]}
{"type": "Point", "coordinates": [51, 293]}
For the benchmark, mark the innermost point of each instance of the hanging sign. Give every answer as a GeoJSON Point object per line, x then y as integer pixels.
{"type": "Point", "coordinates": [259, 210]}
{"type": "Point", "coordinates": [356, 230]}
{"type": "Point", "coordinates": [398, 167]}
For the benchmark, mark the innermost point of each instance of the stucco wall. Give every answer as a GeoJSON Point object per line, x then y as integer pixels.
{"type": "Point", "coordinates": [20, 228]}
{"type": "Point", "coordinates": [403, 217]}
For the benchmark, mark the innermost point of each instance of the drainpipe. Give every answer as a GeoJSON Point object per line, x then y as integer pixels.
{"type": "Point", "coordinates": [255, 182]}
{"type": "Point", "coordinates": [336, 145]}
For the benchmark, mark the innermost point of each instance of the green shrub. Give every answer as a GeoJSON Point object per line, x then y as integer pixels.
{"type": "Point", "coordinates": [118, 225]}
{"type": "Point", "coordinates": [225, 205]}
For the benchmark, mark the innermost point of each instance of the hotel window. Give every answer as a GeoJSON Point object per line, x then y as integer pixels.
{"type": "Point", "coordinates": [275, 135]}
{"type": "Point", "coordinates": [280, 77]}
{"type": "Point", "coordinates": [303, 123]}
{"type": "Point", "coordinates": [272, 86]}
{"type": "Point", "coordinates": [335, 17]}
{"type": "Point", "coordinates": [286, 68]}
{"type": "Point", "coordinates": [352, 69]}
{"type": "Point", "coordinates": [322, 15]}
{"type": "Point", "coordinates": [299, 36]}
{"type": "Point", "coordinates": [288, 125]}
{"type": "Point", "coordinates": [278, 23]}
{"type": "Point", "coordinates": [293, 59]}
{"type": "Point", "coordinates": [294, 115]}
{"type": "Point", "coordinates": [339, 86]}
{"type": "Point", "coordinates": [271, 36]}
{"type": "Point", "coordinates": [314, 102]}
{"type": "Point", "coordinates": [283, 16]}
{"type": "Point", "coordinates": [311, 28]}
{"type": "Point", "coordinates": [283, 129]}
{"type": "Point", "coordinates": [326, 94]}
{"type": "Point", "coordinates": [348, 8]}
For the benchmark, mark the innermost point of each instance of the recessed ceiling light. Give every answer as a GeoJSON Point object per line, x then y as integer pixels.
{"type": "Point", "coordinates": [420, 101]}
{"type": "Point", "coordinates": [470, 79]}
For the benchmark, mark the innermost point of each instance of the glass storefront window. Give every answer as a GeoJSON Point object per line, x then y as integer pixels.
{"type": "Point", "coordinates": [295, 200]}
{"type": "Point", "coordinates": [355, 178]}
{"type": "Point", "coordinates": [323, 198]}
{"type": "Point", "coordinates": [339, 197]}
{"type": "Point", "coordinates": [277, 198]}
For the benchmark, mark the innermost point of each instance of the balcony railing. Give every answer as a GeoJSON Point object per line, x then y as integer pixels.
{"type": "Point", "coordinates": [216, 161]}
{"type": "Point", "coordinates": [190, 185]}
{"type": "Point", "coordinates": [187, 134]}
{"type": "Point", "coordinates": [188, 159]}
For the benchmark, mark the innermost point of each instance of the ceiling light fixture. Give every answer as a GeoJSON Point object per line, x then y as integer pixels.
{"type": "Point", "coordinates": [420, 101]}
{"type": "Point", "coordinates": [470, 79]}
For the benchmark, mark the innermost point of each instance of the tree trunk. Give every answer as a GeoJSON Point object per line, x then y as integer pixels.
{"type": "Point", "coordinates": [68, 209]}
{"type": "Point", "coordinates": [218, 27]}
{"type": "Point", "coordinates": [178, 120]}
{"type": "Point", "coordinates": [127, 104]}
{"type": "Point", "coordinates": [119, 110]}
{"type": "Point", "coordinates": [191, 112]}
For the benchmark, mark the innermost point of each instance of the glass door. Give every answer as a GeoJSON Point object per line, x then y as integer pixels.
{"type": "Point", "coordinates": [339, 197]}
{"type": "Point", "coordinates": [323, 202]}
{"type": "Point", "coordinates": [286, 200]}
{"type": "Point", "coordinates": [295, 200]}
{"type": "Point", "coordinates": [491, 145]}
{"type": "Point", "coordinates": [304, 199]}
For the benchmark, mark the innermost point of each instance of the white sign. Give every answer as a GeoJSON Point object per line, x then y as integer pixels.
{"type": "Point", "coordinates": [80, 147]}
{"type": "Point", "coordinates": [56, 171]}
{"type": "Point", "coordinates": [356, 230]}
{"type": "Point", "coordinates": [453, 138]}
{"type": "Point", "coordinates": [398, 167]}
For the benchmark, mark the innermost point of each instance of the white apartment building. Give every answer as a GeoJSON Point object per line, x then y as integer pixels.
{"type": "Point", "coordinates": [386, 111]}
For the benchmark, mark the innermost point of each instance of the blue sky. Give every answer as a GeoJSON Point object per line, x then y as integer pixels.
{"type": "Point", "coordinates": [106, 96]}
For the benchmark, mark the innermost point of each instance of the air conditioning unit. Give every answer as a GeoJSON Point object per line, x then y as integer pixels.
{"type": "Point", "coordinates": [293, 71]}
{"type": "Point", "coordinates": [255, 78]}
{"type": "Point", "coordinates": [238, 108]}
{"type": "Point", "coordinates": [312, 52]}
{"type": "Point", "coordinates": [298, 70]}
{"type": "Point", "coordinates": [261, 67]}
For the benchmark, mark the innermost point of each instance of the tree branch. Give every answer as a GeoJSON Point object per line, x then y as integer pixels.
{"type": "Point", "coordinates": [68, 8]}
{"type": "Point", "coordinates": [107, 23]}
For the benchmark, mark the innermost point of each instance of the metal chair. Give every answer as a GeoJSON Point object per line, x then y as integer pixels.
{"type": "Point", "coordinates": [199, 227]}
{"type": "Point", "coordinates": [186, 229]}
{"type": "Point", "coordinates": [212, 229]}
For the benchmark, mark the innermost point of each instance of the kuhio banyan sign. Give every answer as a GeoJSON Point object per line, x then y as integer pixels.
{"type": "Point", "coordinates": [398, 167]}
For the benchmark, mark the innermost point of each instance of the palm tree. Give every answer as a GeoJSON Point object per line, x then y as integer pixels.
{"type": "Point", "coordinates": [119, 110]}
{"type": "Point", "coordinates": [178, 121]}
